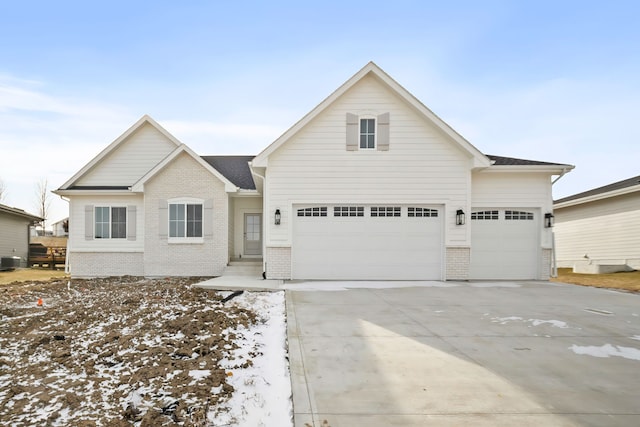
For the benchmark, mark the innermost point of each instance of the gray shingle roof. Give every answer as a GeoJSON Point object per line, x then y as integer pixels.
{"type": "Point", "coordinates": [19, 212]}
{"type": "Point", "coordinates": [511, 161]}
{"type": "Point", "coordinates": [234, 168]}
{"type": "Point", "coordinates": [625, 183]}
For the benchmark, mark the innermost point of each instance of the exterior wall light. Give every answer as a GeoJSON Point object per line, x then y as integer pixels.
{"type": "Point", "coordinates": [459, 217]}
{"type": "Point", "coordinates": [548, 220]}
{"type": "Point", "coordinates": [278, 216]}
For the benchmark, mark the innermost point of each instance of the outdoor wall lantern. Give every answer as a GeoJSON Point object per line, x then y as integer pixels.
{"type": "Point", "coordinates": [278, 216]}
{"type": "Point", "coordinates": [548, 220]}
{"type": "Point", "coordinates": [459, 217]}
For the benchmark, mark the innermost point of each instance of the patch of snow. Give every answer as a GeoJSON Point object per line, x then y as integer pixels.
{"type": "Point", "coordinates": [607, 350]}
{"type": "Point", "coordinates": [199, 373]}
{"type": "Point", "coordinates": [263, 389]}
{"type": "Point", "coordinates": [635, 337]}
{"type": "Point", "coordinates": [534, 322]}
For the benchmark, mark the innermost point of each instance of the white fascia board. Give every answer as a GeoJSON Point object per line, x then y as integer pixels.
{"type": "Point", "coordinates": [70, 193]}
{"type": "Point", "coordinates": [550, 169]}
{"type": "Point", "coordinates": [597, 197]}
{"type": "Point", "coordinates": [144, 119]}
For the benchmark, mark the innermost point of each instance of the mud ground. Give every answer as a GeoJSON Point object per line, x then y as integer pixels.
{"type": "Point", "coordinates": [117, 352]}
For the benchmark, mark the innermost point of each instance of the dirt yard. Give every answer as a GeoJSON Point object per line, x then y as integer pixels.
{"type": "Point", "coordinates": [121, 352]}
{"type": "Point", "coordinates": [628, 281]}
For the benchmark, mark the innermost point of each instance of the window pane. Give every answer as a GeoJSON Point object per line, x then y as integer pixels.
{"type": "Point", "coordinates": [363, 141]}
{"type": "Point", "coordinates": [194, 220]}
{"type": "Point", "coordinates": [101, 223]}
{"type": "Point", "coordinates": [118, 223]}
{"type": "Point", "coordinates": [176, 220]}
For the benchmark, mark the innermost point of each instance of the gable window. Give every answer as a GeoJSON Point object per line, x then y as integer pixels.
{"type": "Point", "coordinates": [367, 133]}
{"type": "Point", "coordinates": [185, 220]}
{"type": "Point", "coordinates": [110, 222]}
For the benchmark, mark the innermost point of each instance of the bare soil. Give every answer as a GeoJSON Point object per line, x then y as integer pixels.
{"type": "Point", "coordinates": [116, 352]}
{"type": "Point", "coordinates": [628, 281]}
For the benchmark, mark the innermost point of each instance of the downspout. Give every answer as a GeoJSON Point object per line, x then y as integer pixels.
{"type": "Point", "coordinates": [264, 223]}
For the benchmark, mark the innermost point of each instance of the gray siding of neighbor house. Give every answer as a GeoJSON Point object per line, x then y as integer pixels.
{"type": "Point", "coordinates": [599, 232]}
{"type": "Point", "coordinates": [14, 237]}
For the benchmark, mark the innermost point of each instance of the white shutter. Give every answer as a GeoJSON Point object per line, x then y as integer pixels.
{"type": "Point", "coordinates": [383, 132]}
{"type": "Point", "coordinates": [163, 219]}
{"type": "Point", "coordinates": [131, 222]}
{"type": "Point", "coordinates": [88, 222]}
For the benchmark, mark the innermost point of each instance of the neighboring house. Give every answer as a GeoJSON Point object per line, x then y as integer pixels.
{"type": "Point", "coordinates": [14, 234]}
{"type": "Point", "coordinates": [370, 184]}
{"type": "Point", "coordinates": [60, 228]}
{"type": "Point", "coordinates": [599, 227]}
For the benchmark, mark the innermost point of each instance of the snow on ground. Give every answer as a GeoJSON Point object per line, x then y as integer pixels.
{"type": "Point", "coordinates": [607, 350]}
{"type": "Point", "coordinates": [533, 322]}
{"type": "Point", "coordinates": [263, 390]}
{"type": "Point", "coordinates": [138, 352]}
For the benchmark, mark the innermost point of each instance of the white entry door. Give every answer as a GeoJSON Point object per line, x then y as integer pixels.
{"type": "Point", "coordinates": [252, 234]}
{"type": "Point", "coordinates": [367, 242]}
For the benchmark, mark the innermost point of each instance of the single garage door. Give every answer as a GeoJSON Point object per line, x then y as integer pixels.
{"type": "Point", "coordinates": [367, 242]}
{"type": "Point", "coordinates": [504, 244]}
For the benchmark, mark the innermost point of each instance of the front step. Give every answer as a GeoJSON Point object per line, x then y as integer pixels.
{"type": "Point", "coordinates": [252, 268]}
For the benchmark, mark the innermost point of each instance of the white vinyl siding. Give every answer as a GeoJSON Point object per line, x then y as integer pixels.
{"type": "Point", "coordinates": [422, 166]}
{"type": "Point", "coordinates": [606, 231]}
{"type": "Point", "coordinates": [14, 236]}
{"type": "Point", "coordinates": [144, 149]}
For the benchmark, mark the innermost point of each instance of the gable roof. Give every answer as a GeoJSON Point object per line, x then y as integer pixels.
{"type": "Point", "coordinates": [480, 160]}
{"type": "Point", "coordinates": [138, 186]}
{"type": "Point", "coordinates": [111, 147]}
{"type": "Point", "coordinates": [625, 186]}
{"type": "Point", "coordinates": [19, 212]}
{"type": "Point", "coordinates": [234, 168]}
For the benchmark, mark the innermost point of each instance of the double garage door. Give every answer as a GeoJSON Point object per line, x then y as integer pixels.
{"type": "Point", "coordinates": [504, 244]}
{"type": "Point", "coordinates": [367, 242]}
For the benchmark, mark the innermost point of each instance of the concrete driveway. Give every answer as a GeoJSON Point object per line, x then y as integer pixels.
{"type": "Point", "coordinates": [453, 354]}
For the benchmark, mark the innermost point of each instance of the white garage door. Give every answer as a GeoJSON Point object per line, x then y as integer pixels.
{"type": "Point", "coordinates": [367, 242]}
{"type": "Point", "coordinates": [504, 244]}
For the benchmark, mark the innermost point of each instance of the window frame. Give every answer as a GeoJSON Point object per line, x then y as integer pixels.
{"type": "Point", "coordinates": [109, 223]}
{"type": "Point", "coordinates": [370, 133]}
{"type": "Point", "coordinates": [184, 220]}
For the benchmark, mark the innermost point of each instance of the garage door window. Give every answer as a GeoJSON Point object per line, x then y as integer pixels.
{"type": "Point", "coordinates": [485, 215]}
{"type": "Point", "coordinates": [377, 211]}
{"type": "Point", "coordinates": [348, 211]}
{"type": "Point", "coordinates": [518, 215]}
{"type": "Point", "coordinates": [318, 211]}
{"type": "Point", "coordinates": [422, 212]}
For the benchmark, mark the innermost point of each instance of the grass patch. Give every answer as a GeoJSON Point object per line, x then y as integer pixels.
{"type": "Point", "coordinates": [30, 274]}
{"type": "Point", "coordinates": [628, 280]}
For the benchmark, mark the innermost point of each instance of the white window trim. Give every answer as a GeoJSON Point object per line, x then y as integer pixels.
{"type": "Point", "coordinates": [184, 201]}
{"type": "Point", "coordinates": [126, 223]}
{"type": "Point", "coordinates": [375, 131]}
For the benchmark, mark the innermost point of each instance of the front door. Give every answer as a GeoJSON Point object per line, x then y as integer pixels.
{"type": "Point", "coordinates": [253, 234]}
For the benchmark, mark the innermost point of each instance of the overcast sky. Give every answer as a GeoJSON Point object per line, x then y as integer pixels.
{"type": "Point", "coordinates": [545, 80]}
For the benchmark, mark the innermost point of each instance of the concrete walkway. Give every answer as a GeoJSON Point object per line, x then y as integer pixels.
{"type": "Point", "coordinates": [453, 354]}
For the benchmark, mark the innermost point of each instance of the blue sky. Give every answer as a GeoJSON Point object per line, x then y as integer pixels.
{"type": "Point", "coordinates": [546, 80]}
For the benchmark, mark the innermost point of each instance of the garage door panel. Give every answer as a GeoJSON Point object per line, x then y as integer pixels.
{"type": "Point", "coordinates": [367, 248]}
{"type": "Point", "coordinates": [505, 248]}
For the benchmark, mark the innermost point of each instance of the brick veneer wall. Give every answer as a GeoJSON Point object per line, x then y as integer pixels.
{"type": "Point", "coordinates": [278, 262]}
{"type": "Point", "coordinates": [458, 260]}
{"type": "Point", "coordinates": [103, 264]}
{"type": "Point", "coordinates": [184, 177]}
